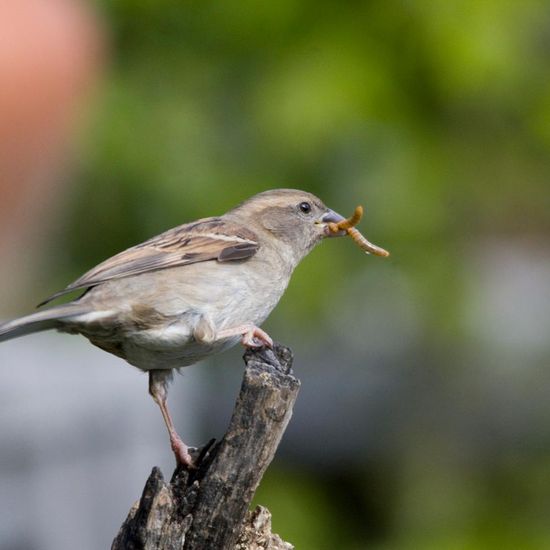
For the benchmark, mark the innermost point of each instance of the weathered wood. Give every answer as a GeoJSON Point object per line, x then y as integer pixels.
{"type": "Point", "coordinates": [206, 508]}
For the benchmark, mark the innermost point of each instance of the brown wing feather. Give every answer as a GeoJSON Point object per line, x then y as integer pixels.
{"type": "Point", "coordinates": [206, 239]}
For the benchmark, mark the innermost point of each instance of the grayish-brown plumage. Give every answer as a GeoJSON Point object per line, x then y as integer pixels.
{"type": "Point", "coordinates": [192, 291]}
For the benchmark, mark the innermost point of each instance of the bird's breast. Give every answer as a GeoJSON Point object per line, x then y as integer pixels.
{"type": "Point", "coordinates": [155, 314]}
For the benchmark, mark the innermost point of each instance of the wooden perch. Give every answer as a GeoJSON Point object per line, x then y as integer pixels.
{"type": "Point", "coordinates": [207, 508]}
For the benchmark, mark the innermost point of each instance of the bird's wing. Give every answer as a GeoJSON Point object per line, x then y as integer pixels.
{"type": "Point", "coordinates": [200, 241]}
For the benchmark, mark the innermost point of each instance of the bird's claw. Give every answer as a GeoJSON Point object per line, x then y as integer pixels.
{"type": "Point", "coordinates": [181, 452]}
{"type": "Point", "coordinates": [256, 338]}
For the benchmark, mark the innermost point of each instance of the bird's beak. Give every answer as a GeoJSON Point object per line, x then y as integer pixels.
{"type": "Point", "coordinates": [330, 216]}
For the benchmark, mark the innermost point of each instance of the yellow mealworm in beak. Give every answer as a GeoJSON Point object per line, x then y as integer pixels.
{"type": "Point", "coordinates": [348, 226]}
{"type": "Point", "coordinates": [350, 222]}
{"type": "Point", "coordinates": [365, 245]}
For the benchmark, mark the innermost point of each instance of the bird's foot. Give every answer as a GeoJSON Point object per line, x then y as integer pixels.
{"type": "Point", "coordinates": [251, 335]}
{"type": "Point", "coordinates": [256, 338]}
{"type": "Point", "coordinates": [181, 452]}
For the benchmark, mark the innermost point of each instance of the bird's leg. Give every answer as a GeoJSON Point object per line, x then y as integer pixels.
{"type": "Point", "coordinates": [251, 335]}
{"type": "Point", "coordinates": [158, 391]}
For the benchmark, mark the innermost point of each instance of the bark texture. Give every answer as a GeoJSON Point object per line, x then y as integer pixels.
{"type": "Point", "coordinates": [207, 508]}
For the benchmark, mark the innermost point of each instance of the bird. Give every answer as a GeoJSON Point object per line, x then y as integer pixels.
{"type": "Point", "coordinates": [192, 291]}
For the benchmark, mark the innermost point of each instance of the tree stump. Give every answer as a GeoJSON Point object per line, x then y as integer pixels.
{"type": "Point", "coordinates": [207, 508]}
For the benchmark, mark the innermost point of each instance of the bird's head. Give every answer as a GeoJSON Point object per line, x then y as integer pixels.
{"type": "Point", "coordinates": [294, 219]}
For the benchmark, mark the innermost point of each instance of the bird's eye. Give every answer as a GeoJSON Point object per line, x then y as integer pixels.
{"type": "Point", "coordinates": [305, 207]}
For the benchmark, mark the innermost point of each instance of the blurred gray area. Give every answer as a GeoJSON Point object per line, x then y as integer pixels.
{"type": "Point", "coordinates": [79, 437]}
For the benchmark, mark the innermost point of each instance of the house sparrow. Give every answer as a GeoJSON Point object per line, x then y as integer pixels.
{"type": "Point", "coordinates": [192, 291]}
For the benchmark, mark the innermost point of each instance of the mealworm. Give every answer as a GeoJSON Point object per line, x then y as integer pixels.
{"type": "Point", "coordinates": [366, 245]}
{"type": "Point", "coordinates": [344, 225]}
{"type": "Point", "coordinates": [348, 226]}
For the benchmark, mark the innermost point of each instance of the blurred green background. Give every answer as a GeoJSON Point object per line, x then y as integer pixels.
{"type": "Point", "coordinates": [424, 419]}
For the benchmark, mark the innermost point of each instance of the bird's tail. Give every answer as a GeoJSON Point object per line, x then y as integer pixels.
{"type": "Point", "coordinates": [41, 320]}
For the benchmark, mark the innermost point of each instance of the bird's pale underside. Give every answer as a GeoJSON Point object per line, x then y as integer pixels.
{"type": "Point", "coordinates": [192, 291]}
